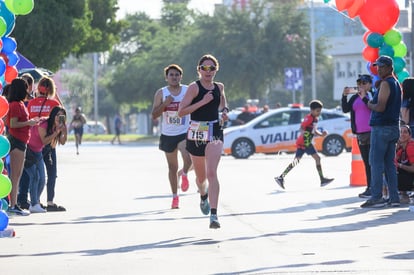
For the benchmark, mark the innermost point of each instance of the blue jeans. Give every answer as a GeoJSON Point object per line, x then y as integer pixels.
{"type": "Point", "coordinates": [23, 188]}
{"type": "Point", "coordinates": [36, 174]}
{"type": "Point", "coordinates": [381, 158]}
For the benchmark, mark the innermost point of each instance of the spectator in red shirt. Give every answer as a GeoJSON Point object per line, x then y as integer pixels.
{"type": "Point", "coordinates": [405, 163]}
{"type": "Point", "coordinates": [18, 123]}
{"type": "Point", "coordinates": [46, 99]}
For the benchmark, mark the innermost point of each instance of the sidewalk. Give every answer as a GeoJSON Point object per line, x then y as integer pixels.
{"type": "Point", "coordinates": [119, 221]}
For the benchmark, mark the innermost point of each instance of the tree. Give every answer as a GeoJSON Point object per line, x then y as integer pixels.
{"type": "Point", "coordinates": [136, 36]}
{"type": "Point", "coordinates": [57, 28]}
{"type": "Point", "coordinates": [146, 47]}
{"type": "Point", "coordinates": [253, 47]}
{"type": "Point", "coordinates": [104, 27]}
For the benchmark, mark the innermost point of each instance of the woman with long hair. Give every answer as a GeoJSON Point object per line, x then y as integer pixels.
{"type": "Point", "coordinates": [18, 124]}
{"type": "Point", "coordinates": [50, 131]}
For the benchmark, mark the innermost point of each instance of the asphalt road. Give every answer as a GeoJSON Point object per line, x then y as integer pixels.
{"type": "Point", "coordinates": [119, 221]}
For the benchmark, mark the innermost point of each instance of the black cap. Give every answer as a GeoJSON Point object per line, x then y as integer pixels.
{"type": "Point", "coordinates": [364, 78]}
{"type": "Point", "coordinates": [383, 60]}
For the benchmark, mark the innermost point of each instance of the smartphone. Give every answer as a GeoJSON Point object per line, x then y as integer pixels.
{"type": "Point", "coordinates": [62, 119]}
{"type": "Point", "coordinates": [353, 90]}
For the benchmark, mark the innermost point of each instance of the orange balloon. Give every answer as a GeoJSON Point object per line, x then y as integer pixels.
{"type": "Point", "coordinates": [355, 8]}
{"type": "Point", "coordinates": [4, 106]}
{"type": "Point", "coordinates": [10, 74]}
{"type": "Point", "coordinates": [343, 4]}
{"type": "Point", "coordinates": [370, 53]}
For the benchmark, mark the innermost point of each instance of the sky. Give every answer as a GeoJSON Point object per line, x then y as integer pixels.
{"type": "Point", "coordinates": [153, 7]}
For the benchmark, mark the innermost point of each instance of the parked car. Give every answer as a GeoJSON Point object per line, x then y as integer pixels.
{"type": "Point", "coordinates": [277, 131]}
{"type": "Point", "coordinates": [90, 126]}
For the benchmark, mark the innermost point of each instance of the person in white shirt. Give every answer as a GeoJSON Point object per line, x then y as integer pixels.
{"type": "Point", "coordinates": [173, 128]}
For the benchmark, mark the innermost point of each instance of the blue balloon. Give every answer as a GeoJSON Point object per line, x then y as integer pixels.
{"type": "Point", "coordinates": [4, 220]}
{"type": "Point", "coordinates": [2, 66]}
{"type": "Point", "coordinates": [375, 78]}
{"type": "Point", "coordinates": [8, 16]}
{"type": "Point", "coordinates": [13, 59]}
{"type": "Point", "coordinates": [9, 44]}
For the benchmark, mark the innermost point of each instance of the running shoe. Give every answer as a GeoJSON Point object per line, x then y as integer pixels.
{"type": "Point", "coordinates": [184, 183]}
{"type": "Point", "coordinates": [175, 202]}
{"type": "Point", "coordinates": [205, 206]}
{"type": "Point", "coordinates": [23, 204]}
{"type": "Point", "coordinates": [280, 181]}
{"type": "Point", "coordinates": [325, 181]}
{"type": "Point", "coordinates": [365, 194]}
{"type": "Point", "coordinates": [18, 211]}
{"type": "Point", "coordinates": [55, 208]}
{"type": "Point", "coordinates": [214, 223]}
{"type": "Point", "coordinates": [393, 204]}
{"type": "Point", "coordinates": [374, 204]}
{"type": "Point", "coordinates": [36, 209]}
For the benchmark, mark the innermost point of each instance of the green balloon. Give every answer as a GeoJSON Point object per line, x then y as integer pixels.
{"type": "Point", "coordinates": [1, 166]}
{"type": "Point", "coordinates": [400, 50]}
{"type": "Point", "coordinates": [5, 186]}
{"type": "Point", "coordinates": [10, 6]}
{"type": "Point", "coordinates": [23, 7]}
{"type": "Point", "coordinates": [392, 37]}
{"type": "Point", "coordinates": [3, 27]}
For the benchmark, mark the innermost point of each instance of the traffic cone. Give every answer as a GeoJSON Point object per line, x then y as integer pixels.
{"type": "Point", "coordinates": [358, 176]}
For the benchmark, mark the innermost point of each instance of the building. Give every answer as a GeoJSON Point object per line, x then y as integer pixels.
{"type": "Point", "coordinates": [344, 38]}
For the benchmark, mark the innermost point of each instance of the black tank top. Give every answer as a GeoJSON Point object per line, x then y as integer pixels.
{"type": "Point", "coordinates": [208, 112]}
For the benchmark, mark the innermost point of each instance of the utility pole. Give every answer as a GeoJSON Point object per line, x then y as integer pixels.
{"type": "Point", "coordinates": [313, 57]}
{"type": "Point", "coordinates": [95, 90]}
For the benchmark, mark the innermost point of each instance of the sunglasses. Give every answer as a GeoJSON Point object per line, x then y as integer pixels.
{"type": "Point", "coordinates": [207, 68]}
{"type": "Point", "coordinates": [362, 82]}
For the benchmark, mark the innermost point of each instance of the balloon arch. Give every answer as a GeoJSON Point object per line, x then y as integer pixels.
{"type": "Point", "coordinates": [8, 71]}
{"type": "Point", "coordinates": [381, 38]}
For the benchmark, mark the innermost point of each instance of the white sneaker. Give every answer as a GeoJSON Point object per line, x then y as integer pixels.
{"type": "Point", "coordinates": [36, 209]}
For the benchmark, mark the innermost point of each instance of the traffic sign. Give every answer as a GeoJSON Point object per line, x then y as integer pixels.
{"type": "Point", "coordinates": [293, 79]}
